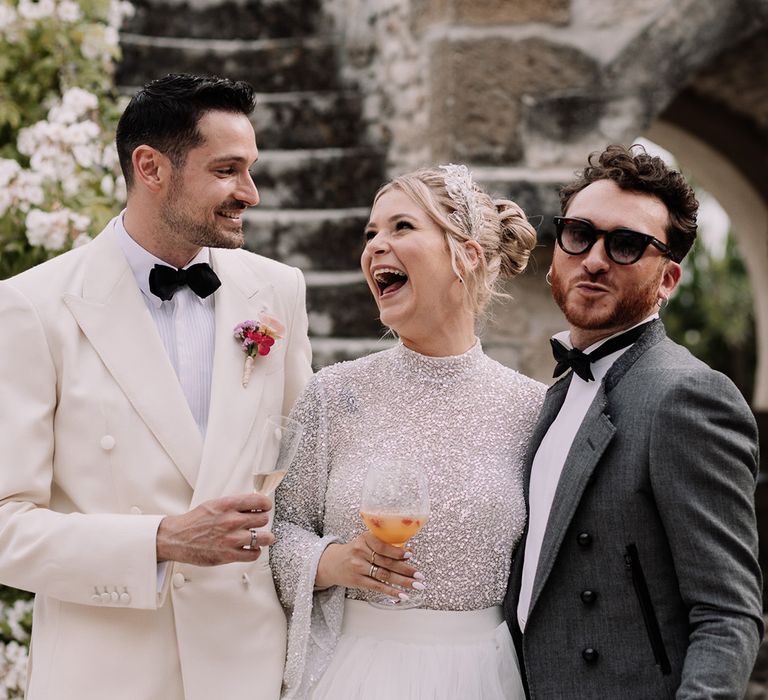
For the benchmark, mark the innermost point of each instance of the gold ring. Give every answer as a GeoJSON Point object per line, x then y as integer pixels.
{"type": "Point", "coordinates": [373, 571]}
{"type": "Point", "coordinates": [373, 558]}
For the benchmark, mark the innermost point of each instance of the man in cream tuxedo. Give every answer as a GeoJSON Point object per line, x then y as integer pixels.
{"type": "Point", "coordinates": [127, 437]}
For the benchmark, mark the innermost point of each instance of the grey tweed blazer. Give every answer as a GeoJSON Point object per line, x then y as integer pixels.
{"type": "Point", "coordinates": [648, 584]}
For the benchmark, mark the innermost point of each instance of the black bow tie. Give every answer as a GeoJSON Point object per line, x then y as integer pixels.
{"type": "Point", "coordinates": [579, 361]}
{"type": "Point", "coordinates": [165, 281]}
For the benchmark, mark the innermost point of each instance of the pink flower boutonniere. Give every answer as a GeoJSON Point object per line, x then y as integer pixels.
{"type": "Point", "coordinates": [257, 338]}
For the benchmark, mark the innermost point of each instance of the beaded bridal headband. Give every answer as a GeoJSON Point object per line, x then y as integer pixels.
{"type": "Point", "coordinates": [469, 214]}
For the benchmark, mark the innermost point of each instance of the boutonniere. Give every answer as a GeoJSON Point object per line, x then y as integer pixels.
{"type": "Point", "coordinates": [257, 338]}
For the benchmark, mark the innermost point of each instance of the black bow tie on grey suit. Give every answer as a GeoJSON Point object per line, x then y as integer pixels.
{"type": "Point", "coordinates": [579, 361]}
{"type": "Point", "coordinates": [165, 281]}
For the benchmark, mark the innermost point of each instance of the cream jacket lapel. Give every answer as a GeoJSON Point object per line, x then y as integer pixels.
{"type": "Point", "coordinates": [133, 351]}
{"type": "Point", "coordinates": [233, 410]}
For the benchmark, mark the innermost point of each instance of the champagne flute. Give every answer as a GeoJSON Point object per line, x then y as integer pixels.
{"type": "Point", "coordinates": [394, 506]}
{"type": "Point", "coordinates": [278, 443]}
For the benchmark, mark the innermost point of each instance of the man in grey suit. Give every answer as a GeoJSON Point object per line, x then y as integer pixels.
{"type": "Point", "coordinates": [638, 574]}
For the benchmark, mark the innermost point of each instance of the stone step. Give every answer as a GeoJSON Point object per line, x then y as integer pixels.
{"type": "Point", "coordinates": [291, 120]}
{"type": "Point", "coordinates": [270, 65]}
{"type": "Point", "coordinates": [312, 239]}
{"type": "Point", "coordinates": [536, 191]}
{"type": "Point", "coordinates": [327, 351]}
{"type": "Point", "coordinates": [340, 305]}
{"type": "Point", "coordinates": [226, 19]}
{"type": "Point", "coordinates": [319, 179]}
{"type": "Point", "coordinates": [308, 119]}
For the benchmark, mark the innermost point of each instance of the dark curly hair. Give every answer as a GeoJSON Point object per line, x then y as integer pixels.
{"type": "Point", "coordinates": [165, 114]}
{"type": "Point", "coordinates": [634, 170]}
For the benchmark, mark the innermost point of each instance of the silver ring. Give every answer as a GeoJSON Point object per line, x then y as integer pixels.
{"type": "Point", "coordinates": [254, 538]}
{"type": "Point", "coordinates": [374, 570]}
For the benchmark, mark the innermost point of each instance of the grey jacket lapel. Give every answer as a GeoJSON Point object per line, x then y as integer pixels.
{"type": "Point", "coordinates": [593, 437]}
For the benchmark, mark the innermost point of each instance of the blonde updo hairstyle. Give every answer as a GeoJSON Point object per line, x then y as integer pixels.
{"type": "Point", "coordinates": [505, 236]}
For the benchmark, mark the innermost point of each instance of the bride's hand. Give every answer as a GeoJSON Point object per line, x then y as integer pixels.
{"type": "Point", "coordinates": [351, 565]}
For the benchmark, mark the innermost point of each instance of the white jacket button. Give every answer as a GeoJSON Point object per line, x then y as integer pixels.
{"type": "Point", "coordinates": [178, 580]}
{"type": "Point", "coordinates": [107, 442]}
{"type": "Point", "coordinates": [135, 510]}
{"type": "Point", "coordinates": [125, 598]}
{"type": "Point", "coordinates": [115, 596]}
{"type": "Point", "coordinates": [106, 598]}
{"type": "Point", "coordinates": [96, 598]}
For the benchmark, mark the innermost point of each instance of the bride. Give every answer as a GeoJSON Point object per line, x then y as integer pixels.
{"type": "Point", "coordinates": [435, 248]}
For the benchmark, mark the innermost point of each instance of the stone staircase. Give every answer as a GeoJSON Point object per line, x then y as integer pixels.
{"type": "Point", "coordinates": [316, 174]}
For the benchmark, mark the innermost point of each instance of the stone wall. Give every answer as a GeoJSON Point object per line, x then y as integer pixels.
{"type": "Point", "coordinates": [523, 91]}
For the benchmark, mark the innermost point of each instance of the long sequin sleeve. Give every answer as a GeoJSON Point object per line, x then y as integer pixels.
{"type": "Point", "coordinates": [314, 618]}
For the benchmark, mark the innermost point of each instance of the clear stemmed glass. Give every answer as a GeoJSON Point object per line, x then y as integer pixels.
{"type": "Point", "coordinates": [394, 506]}
{"type": "Point", "coordinates": [278, 443]}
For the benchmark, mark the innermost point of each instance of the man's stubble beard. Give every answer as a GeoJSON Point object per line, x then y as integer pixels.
{"type": "Point", "coordinates": [631, 307]}
{"type": "Point", "coordinates": [185, 227]}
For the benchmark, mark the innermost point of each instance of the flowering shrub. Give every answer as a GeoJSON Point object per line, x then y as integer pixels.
{"type": "Point", "coordinates": [59, 175]}
{"type": "Point", "coordinates": [15, 628]}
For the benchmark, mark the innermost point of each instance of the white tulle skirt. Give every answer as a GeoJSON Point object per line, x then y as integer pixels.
{"type": "Point", "coordinates": [421, 655]}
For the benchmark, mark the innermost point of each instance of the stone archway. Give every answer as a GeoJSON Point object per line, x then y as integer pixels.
{"type": "Point", "coordinates": [748, 212]}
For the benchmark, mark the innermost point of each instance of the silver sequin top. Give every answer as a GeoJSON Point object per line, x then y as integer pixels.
{"type": "Point", "coordinates": [467, 419]}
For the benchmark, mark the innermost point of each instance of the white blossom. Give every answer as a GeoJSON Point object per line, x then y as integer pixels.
{"type": "Point", "coordinates": [15, 614]}
{"type": "Point", "coordinates": [8, 16]}
{"type": "Point", "coordinates": [107, 185]}
{"type": "Point", "coordinates": [119, 10]}
{"type": "Point", "coordinates": [13, 670]}
{"type": "Point", "coordinates": [9, 169]}
{"type": "Point", "coordinates": [99, 42]}
{"type": "Point", "coordinates": [41, 9]}
{"type": "Point", "coordinates": [121, 189]}
{"type": "Point", "coordinates": [68, 11]}
{"type": "Point", "coordinates": [28, 190]}
{"type": "Point", "coordinates": [81, 240]}
{"type": "Point", "coordinates": [49, 229]}
{"type": "Point", "coordinates": [75, 103]}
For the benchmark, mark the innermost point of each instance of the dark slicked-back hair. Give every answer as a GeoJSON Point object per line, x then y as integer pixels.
{"type": "Point", "coordinates": [165, 114]}
{"type": "Point", "coordinates": [634, 170]}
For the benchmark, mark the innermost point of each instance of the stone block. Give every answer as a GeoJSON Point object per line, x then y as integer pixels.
{"type": "Point", "coordinates": [314, 240]}
{"type": "Point", "coordinates": [331, 178]}
{"type": "Point", "coordinates": [307, 120]}
{"type": "Point", "coordinates": [477, 86]}
{"type": "Point", "coordinates": [539, 200]}
{"type": "Point", "coordinates": [494, 12]}
{"type": "Point", "coordinates": [564, 117]}
{"type": "Point", "coordinates": [229, 19]}
{"type": "Point", "coordinates": [489, 12]}
{"type": "Point", "coordinates": [343, 311]}
{"type": "Point", "coordinates": [270, 66]}
{"type": "Point", "coordinates": [327, 351]}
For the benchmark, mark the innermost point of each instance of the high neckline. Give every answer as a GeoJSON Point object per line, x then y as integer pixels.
{"type": "Point", "coordinates": [444, 369]}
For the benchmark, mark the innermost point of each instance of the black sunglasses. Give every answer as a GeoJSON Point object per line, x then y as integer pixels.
{"type": "Point", "coordinates": [622, 245]}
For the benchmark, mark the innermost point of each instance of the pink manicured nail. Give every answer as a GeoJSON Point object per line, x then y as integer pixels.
{"type": "Point", "coordinates": [418, 585]}
{"type": "Point", "coordinates": [403, 596]}
{"type": "Point", "coordinates": [419, 576]}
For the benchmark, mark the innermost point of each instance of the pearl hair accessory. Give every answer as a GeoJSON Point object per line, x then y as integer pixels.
{"type": "Point", "coordinates": [461, 189]}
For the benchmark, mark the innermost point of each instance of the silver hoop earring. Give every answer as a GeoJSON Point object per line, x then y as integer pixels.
{"type": "Point", "coordinates": [548, 277]}
{"type": "Point", "coordinates": [662, 303]}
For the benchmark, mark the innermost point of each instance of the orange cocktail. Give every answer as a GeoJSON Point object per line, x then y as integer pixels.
{"type": "Point", "coordinates": [393, 529]}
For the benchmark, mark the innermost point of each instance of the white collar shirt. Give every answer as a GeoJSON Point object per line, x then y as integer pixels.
{"type": "Point", "coordinates": [550, 458]}
{"type": "Point", "coordinates": [185, 324]}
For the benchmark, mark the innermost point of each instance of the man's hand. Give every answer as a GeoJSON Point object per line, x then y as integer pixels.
{"type": "Point", "coordinates": [216, 531]}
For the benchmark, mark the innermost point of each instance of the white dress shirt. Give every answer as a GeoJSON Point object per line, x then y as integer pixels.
{"type": "Point", "coordinates": [185, 324]}
{"type": "Point", "coordinates": [550, 458]}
